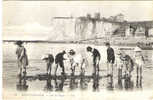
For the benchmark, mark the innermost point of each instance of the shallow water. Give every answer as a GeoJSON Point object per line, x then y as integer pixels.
{"type": "Point", "coordinates": [37, 66]}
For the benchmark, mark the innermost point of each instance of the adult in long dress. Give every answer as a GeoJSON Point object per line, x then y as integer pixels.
{"type": "Point", "coordinates": [22, 58]}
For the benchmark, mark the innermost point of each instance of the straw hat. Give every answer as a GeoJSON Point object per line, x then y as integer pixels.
{"type": "Point", "coordinates": [118, 52]}
{"type": "Point", "coordinates": [137, 49]}
{"type": "Point", "coordinates": [45, 56]}
{"type": "Point", "coordinates": [72, 52]}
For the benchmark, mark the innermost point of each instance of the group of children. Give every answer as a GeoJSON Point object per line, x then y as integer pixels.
{"type": "Point", "coordinates": [123, 62]}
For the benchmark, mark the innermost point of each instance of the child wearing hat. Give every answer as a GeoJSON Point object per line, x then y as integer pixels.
{"type": "Point", "coordinates": [22, 58]}
{"type": "Point", "coordinates": [139, 59]}
{"type": "Point", "coordinates": [49, 59]}
{"type": "Point", "coordinates": [125, 66]}
{"type": "Point", "coordinates": [118, 60]}
{"type": "Point", "coordinates": [77, 60]}
{"type": "Point", "coordinates": [139, 62]}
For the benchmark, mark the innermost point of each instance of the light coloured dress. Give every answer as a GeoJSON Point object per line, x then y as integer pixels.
{"type": "Point", "coordinates": [139, 59]}
{"type": "Point", "coordinates": [22, 57]}
{"type": "Point", "coordinates": [78, 61]}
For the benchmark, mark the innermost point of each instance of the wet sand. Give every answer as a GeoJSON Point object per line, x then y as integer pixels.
{"type": "Point", "coordinates": [37, 66]}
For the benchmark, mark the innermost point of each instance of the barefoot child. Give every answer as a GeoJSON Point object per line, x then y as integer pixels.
{"type": "Point", "coordinates": [110, 59]}
{"type": "Point", "coordinates": [125, 68]}
{"type": "Point", "coordinates": [96, 59]}
{"type": "Point", "coordinates": [139, 62]}
{"type": "Point", "coordinates": [77, 60]}
{"type": "Point", "coordinates": [49, 59]}
{"type": "Point", "coordinates": [59, 61]}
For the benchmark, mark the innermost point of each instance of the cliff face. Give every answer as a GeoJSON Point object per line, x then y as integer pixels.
{"type": "Point", "coordinates": [82, 28]}
{"type": "Point", "coordinates": [92, 28]}
{"type": "Point", "coordinates": [63, 29]}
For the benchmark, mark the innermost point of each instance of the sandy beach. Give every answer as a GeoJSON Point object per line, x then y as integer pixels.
{"type": "Point", "coordinates": [37, 66]}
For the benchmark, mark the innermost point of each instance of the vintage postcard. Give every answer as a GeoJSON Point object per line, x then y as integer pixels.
{"type": "Point", "coordinates": [87, 50]}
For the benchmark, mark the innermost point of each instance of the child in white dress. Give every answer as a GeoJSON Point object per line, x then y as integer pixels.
{"type": "Point", "coordinates": [139, 62]}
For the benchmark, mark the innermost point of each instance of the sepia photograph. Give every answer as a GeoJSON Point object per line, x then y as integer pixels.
{"type": "Point", "coordinates": [77, 50]}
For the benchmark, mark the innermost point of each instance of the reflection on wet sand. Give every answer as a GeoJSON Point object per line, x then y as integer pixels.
{"type": "Point", "coordinates": [124, 81]}
{"type": "Point", "coordinates": [57, 83]}
{"type": "Point", "coordinates": [48, 86]}
{"type": "Point", "coordinates": [22, 82]}
{"type": "Point", "coordinates": [71, 82]}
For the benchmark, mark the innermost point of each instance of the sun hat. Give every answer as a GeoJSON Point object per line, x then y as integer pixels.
{"type": "Point", "coordinates": [137, 49]}
{"type": "Point", "coordinates": [119, 52]}
{"type": "Point", "coordinates": [45, 56]}
{"type": "Point", "coordinates": [72, 52]}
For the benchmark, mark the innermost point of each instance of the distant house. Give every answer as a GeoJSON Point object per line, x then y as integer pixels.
{"type": "Point", "coordinates": [117, 18]}
{"type": "Point", "coordinates": [120, 18]}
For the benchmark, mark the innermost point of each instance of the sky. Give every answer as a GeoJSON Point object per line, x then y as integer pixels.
{"type": "Point", "coordinates": [31, 19]}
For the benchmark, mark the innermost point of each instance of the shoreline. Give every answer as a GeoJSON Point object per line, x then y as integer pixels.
{"type": "Point", "coordinates": [97, 42]}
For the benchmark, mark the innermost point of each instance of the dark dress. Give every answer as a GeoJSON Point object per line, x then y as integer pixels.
{"type": "Point", "coordinates": [110, 55]}
{"type": "Point", "coordinates": [96, 56]}
{"type": "Point", "coordinates": [128, 62]}
{"type": "Point", "coordinates": [59, 60]}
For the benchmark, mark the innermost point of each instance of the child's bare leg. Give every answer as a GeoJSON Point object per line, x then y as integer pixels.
{"type": "Point", "coordinates": [110, 78]}
{"type": "Point", "coordinates": [112, 69]}
{"type": "Point", "coordinates": [72, 69]}
{"type": "Point", "coordinates": [20, 71]}
{"type": "Point", "coordinates": [24, 70]}
{"type": "Point", "coordinates": [141, 72]}
{"type": "Point", "coordinates": [50, 69]}
{"type": "Point", "coordinates": [141, 76]}
{"type": "Point", "coordinates": [120, 78]}
{"type": "Point", "coordinates": [47, 70]}
{"type": "Point", "coordinates": [56, 69]}
{"type": "Point", "coordinates": [97, 70]}
{"type": "Point", "coordinates": [137, 77]}
{"type": "Point", "coordinates": [83, 71]}
{"type": "Point", "coordinates": [107, 68]}
{"type": "Point", "coordinates": [94, 69]}
{"type": "Point", "coordinates": [112, 73]}
{"type": "Point", "coordinates": [108, 72]}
